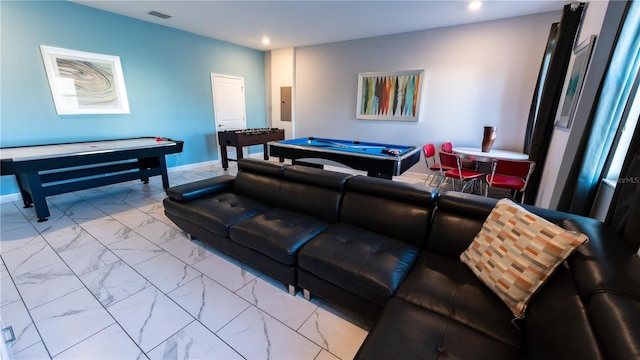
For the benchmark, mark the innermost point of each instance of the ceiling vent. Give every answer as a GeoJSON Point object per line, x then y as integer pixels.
{"type": "Point", "coordinates": [159, 14]}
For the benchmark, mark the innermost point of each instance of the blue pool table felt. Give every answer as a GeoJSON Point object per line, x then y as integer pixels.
{"type": "Point", "coordinates": [359, 147]}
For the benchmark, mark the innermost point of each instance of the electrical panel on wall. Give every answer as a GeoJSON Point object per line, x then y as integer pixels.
{"type": "Point", "coordinates": [285, 103]}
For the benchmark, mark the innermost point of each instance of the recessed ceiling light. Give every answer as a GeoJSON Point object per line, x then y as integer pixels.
{"type": "Point", "coordinates": [265, 41]}
{"type": "Point", "coordinates": [475, 5]}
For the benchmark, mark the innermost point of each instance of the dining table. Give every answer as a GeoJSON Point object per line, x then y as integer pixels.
{"type": "Point", "coordinates": [482, 160]}
{"type": "Point", "coordinates": [476, 154]}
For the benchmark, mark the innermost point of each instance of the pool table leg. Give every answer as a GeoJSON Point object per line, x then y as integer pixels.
{"type": "Point", "coordinates": [265, 151]}
{"type": "Point", "coordinates": [378, 174]}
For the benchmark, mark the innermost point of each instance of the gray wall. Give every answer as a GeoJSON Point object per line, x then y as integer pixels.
{"type": "Point", "coordinates": [475, 75]}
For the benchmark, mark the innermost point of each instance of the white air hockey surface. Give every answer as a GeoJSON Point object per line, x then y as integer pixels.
{"type": "Point", "coordinates": [25, 153]}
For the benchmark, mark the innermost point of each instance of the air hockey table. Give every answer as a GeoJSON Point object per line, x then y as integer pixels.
{"type": "Point", "coordinates": [378, 159]}
{"type": "Point", "coordinates": [45, 170]}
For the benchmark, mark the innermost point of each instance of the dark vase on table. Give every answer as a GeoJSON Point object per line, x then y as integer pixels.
{"type": "Point", "coordinates": [490, 134]}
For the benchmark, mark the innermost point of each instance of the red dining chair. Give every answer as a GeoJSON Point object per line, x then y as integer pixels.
{"type": "Point", "coordinates": [467, 177]}
{"type": "Point", "coordinates": [435, 168]}
{"type": "Point", "coordinates": [510, 174]}
{"type": "Point", "coordinates": [466, 164]}
{"type": "Point", "coordinates": [447, 147]}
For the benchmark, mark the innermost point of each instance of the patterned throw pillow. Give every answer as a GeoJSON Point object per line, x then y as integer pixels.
{"type": "Point", "coordinates": [517, 251]}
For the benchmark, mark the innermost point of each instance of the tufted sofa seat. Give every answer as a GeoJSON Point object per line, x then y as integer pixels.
{"type": "Point", "coordinates": [453, 315]}
{"type": "Point", "coordinates": [258, 216]}
{"type": "Point", "coordinates": [390, 252]}
{"type": "Point", "coordinates": [361, 259]}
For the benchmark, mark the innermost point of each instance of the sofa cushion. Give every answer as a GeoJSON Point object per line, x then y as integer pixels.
{"type": "Point", "coordinates": [393, 190]}
{"type": "Point", "coordinates": [398, 210]}
{"type": "Point", "coordinates": [201, 188]}
{"type": "Point", "coordinates": [516, 252]}
{"type": "Point", "coordinates": [311, 193]}
{"type": "Point", "coordinates": [605, 263]}
{"type": "Point", "coordinates": [307, 199]}
{"type": "Point", "coordinates": [277, 233]}
{"type": "Point", "coordinates": [406, 331]}
{"type": "Point", "coordinates": [257, 166]}
{"type": "Point", "coordinates": [317, 177]}
{"type": "Point", "coordinates": [557, 325]}
{"type": "Point", "coordinates": [257, 186]}
{"type": "Point", "coordinates": [615, 318]}
{"type": "Point", "coordinates": [466, 213]}
{"type": "Point", "coordinates": [448, 287]}
{"type": "Point", "coordinates": [368, 264]}
{"type": "Point", "coordinates": [216, 213]}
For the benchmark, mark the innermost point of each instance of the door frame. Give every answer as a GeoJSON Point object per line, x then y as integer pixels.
{"type": "Point", "coordinates": [213, 97]}
{"type": "Point", "coordinates": [216, 113]}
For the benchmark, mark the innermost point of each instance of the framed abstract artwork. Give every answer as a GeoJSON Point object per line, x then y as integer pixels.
{"type": "Point", "coordinates": [389, 95]}
{"type": "Point", "coordinates": [574, 86]}
{"type": "Point", "coordinates": [85, 83]}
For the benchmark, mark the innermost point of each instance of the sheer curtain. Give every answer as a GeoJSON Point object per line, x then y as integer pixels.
{"type": "Point", "coordinates": [543, 113]}
{"type": "Point", "coordinates": [595, 145]}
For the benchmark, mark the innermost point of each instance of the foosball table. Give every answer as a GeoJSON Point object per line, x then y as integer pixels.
{"type": "Point", "coordinates": [246, 137]}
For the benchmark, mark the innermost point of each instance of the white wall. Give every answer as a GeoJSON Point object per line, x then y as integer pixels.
{"type": "Point", "coordinates": [282, 73]}
{"type": "Point", "coordinates": [475, 75]}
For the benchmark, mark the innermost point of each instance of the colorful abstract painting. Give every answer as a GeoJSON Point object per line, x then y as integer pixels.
{"type": "Point", "coordinates": [389, 95]}
{"type": "Point", "coordinates": [85, 83]}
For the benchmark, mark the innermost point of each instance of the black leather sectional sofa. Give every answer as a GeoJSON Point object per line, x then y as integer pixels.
{"type": "Point", "coordinates": [390, 252]}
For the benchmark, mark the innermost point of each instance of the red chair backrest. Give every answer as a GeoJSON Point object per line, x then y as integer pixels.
{"type": "Point", "coordinates": [447, 147]}
{"type": "Point", "coordinates": [448, 159]}
{"type": "Point", "coordinates": [429, 151]}
{"type": "Point", "coordinates": [519, 168]}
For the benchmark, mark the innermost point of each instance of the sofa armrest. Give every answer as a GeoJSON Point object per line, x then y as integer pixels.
{"type": "Point", "coordinates": [197, 189]}
{"type": "Point", "coordinates": [606, 263]}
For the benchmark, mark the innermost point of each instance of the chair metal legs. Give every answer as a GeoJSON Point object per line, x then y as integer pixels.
{"type": "Point", "coordinates": [444, 180]}
{"type": "Point", "coordinates": [517, 196]}
{"type": "Point", "coordinates": [433, 177]}
{"type": "Point", "coordinates": [473, 184]}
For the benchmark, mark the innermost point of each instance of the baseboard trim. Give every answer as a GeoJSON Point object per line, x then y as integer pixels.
{"type": "Point", "coordinates": [10, 198]}
{"type": "Point", "coordinates": [193, 166]}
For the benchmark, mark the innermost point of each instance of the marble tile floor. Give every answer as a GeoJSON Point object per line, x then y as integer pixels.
{"type": "Point", "coordinates": [109, 276]}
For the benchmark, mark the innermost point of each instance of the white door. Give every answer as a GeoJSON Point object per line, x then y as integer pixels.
{"type": "Point", "coordinates": [228, 102]}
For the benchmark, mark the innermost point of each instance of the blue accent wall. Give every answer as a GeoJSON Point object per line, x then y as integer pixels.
{"type": "Point", "coordinates": [166, 73]}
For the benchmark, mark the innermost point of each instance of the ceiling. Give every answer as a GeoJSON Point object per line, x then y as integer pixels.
{"type": "Point", "coordinates": [303, 23]}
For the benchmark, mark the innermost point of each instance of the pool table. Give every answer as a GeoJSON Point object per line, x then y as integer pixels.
{"type": "Point", "coordinates": [45, 170]}
{"type": "Point", "coordinates": [377, 159]}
